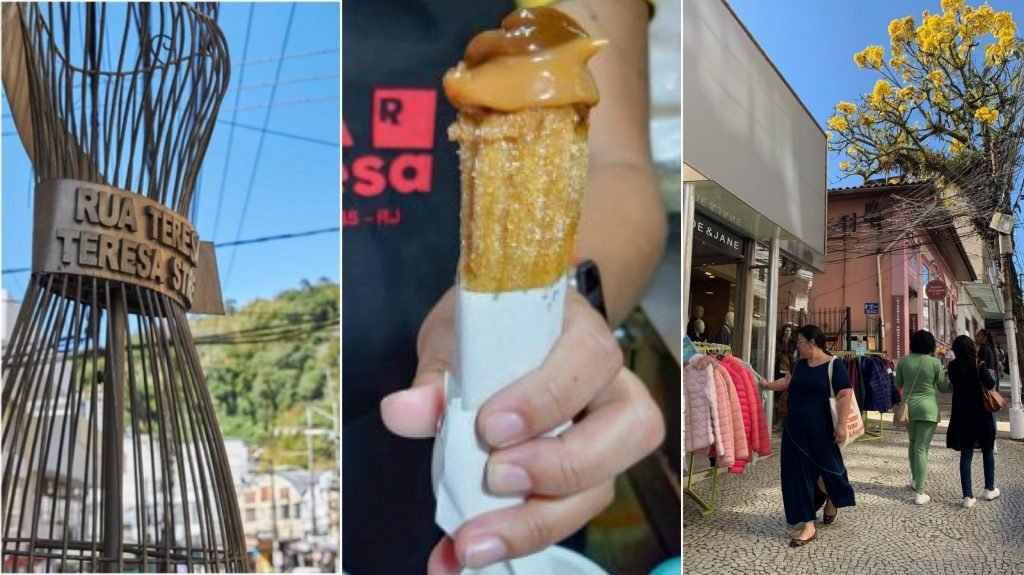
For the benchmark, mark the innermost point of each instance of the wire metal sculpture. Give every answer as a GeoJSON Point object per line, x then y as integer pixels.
{"type": "Point", "coordinates": [112, 456]}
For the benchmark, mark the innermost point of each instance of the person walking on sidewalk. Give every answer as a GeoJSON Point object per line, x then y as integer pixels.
{"type": "Point", "coordinates": [921, 375]}
{"type": "Point", "coordinates": [987, 354]}
{"type": "Point", "coordinates": [813, 473]}
{"type": "Point", "coordinates": [970, 425]}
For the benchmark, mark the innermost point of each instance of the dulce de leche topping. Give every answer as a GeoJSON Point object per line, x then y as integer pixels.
{"type": "Point", "coordinates": [537, 59]}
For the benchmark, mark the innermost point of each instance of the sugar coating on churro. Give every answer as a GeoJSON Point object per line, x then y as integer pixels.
{"type": "Point", "coordinates": [523, 179]}
{"type": "Point", "coordinates": [524, 94]}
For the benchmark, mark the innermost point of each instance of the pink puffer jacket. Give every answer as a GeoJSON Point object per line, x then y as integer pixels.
{"type": "Point", "coordinates": [724, 449]}
{"type": "Point", "coordinates": [739, 439]}
{"type": "Point", "coordinates": [701, 403]}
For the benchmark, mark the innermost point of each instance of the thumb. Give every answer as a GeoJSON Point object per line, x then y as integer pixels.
{"type": "Point", "coordinates": [414, 412]}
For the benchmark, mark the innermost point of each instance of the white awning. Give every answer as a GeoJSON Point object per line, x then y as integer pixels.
{"type": "Point", "coordinates": [988, 298]}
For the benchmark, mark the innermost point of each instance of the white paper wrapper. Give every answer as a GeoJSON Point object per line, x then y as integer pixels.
{"type": "Point", "coordinates": [499, 338]}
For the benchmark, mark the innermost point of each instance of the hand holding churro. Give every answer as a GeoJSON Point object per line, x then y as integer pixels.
{"type": "Point", "coordinates": [524, 95]}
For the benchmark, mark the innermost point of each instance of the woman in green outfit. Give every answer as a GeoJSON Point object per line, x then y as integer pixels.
{"type": "Point", "coordinates": [921, 375]}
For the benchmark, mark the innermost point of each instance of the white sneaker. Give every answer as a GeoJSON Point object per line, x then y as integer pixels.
{"type": "Point", "coordinates": [922, 498]}
{"type": "Point", "coordinates": [995, 448]}
{"type": "Point", "coordinates": [912, 486]}
{"type": "Point", "coordinates": [990, 495]}
{"type": "Point", "coordinates": [969, 502]}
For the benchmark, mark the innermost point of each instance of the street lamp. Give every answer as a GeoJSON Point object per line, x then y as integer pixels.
{"type": "Point", "coordinates": [1004, 224]}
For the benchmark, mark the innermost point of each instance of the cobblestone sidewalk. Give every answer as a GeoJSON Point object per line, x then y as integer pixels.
{"type": "Point", "coordinates": [885, 533]}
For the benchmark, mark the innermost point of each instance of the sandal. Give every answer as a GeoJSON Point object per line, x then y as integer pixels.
{"type": "Point", "coordinates": [829, 519]}
{"type": "Point", "coordinates": [801, 542]}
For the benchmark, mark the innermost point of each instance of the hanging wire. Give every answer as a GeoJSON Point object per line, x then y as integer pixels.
{"type": "Point", "coordinates": [231, 132]}
{"type": "Point", "coordinates": [259, 147]}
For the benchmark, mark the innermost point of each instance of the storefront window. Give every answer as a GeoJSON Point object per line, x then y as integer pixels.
{"type": "Point", "coordinates": [951, 335]}
{"type": "Point", "coordinates": [714, 301]}
{"type": "Point", "coordinates": [759, 313]}
{"type": "Point", "coordinates": [794, 293]}
{"type": "Point", "coordinates": [926, 305]}
{"type": "Point", "coordinates": [714, 295]}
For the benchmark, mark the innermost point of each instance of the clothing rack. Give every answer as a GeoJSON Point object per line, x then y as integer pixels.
{"type": "Point", "coordinates": [712, 348]}
{"type": "Point", "coordinates": [848, 353]}
{"type": "Point", "coordinates": [871, 435]}
{"type": "Point", "coordinates": [707, 506]}
{"type": "Point", "coordinates": [868, 435]}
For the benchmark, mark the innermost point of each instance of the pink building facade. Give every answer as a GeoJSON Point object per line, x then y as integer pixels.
{"type": "Point", "coordinates": [896, 263]}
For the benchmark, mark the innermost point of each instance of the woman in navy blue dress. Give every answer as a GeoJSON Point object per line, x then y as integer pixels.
{"type": "Point", "coordinates": [813, 473]}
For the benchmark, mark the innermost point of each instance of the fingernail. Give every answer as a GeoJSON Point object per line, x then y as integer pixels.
{"type": "Point", "coordinates": [483, 551]}
{"type": "Point", "coordinates": [392, 398]}
{"type": "Point", "coordinates": [502, 428]}
{"type": "Point", "coordinates": [504, 478]}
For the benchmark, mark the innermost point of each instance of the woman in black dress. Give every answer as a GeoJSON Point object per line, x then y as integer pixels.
{"type": "Point", "coordinates": [970, 425]}
{"type": "Point", "coordinates": [813, 473]}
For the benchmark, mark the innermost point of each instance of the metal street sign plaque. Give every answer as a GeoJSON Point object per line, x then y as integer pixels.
{"type": "Point", "coordinates": [105, 232]}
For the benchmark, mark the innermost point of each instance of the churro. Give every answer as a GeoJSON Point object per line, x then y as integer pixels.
{"type": "Point", "coordinates": [524, 95]}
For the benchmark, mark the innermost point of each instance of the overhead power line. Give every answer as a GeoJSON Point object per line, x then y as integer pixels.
{"type": "Point", "coordinates": [288, 57]}
{"type": "Point", "coordinates": [259, 145]}
{"type": "Point", "coordinates": [283, 103]}
{"type": "Point", "coordinates": [259, 240]}
{"type": "Point", "coordinates": [278, 237]}
{"type": "Point", "coordinates": [284, 82]}
{"type": "Point", "coordinates": [281, 134]}
{"type": "Point", "coordinates": [231, 132]}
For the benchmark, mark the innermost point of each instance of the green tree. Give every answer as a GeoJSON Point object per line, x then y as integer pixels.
{"type": "Point", "coordinates": [270, 358]}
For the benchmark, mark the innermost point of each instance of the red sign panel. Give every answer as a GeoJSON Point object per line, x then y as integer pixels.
{"type": "Point", "coordinates": [935, 289]}
{"type": "Point", "coordinates": [897, 325]}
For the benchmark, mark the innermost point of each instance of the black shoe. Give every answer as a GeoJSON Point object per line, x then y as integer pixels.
{"type": "Point", "coordinates": [829, 519]}
{"type": "Point", "coordinates": [802, 542]}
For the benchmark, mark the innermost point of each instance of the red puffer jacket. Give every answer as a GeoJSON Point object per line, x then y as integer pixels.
{"type": "Point", "coordinates": [752, 410]}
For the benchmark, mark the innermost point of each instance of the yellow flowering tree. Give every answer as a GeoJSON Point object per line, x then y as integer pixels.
{"type": "Point", "coordinates": [947, 106]}
{"type": "Point", "coordinates": [947, 103]}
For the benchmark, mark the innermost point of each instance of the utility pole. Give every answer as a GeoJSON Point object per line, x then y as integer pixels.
{"type": "Point", "coordinates": [312, 475]}
{"type": "Point", "coordinates": [1004, 223]}
{"type": "Point", "coordinates": [273, 503]}
{"type": "Point", "coordinates": [335, 420]}
{"type": "Point", "coordinates": [1009, 325]}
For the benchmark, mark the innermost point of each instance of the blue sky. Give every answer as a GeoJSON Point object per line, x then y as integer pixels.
{"type": "Point", "coordinates": [296, 183]}
{"type": "Point", "coordinates": [812, 43]}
